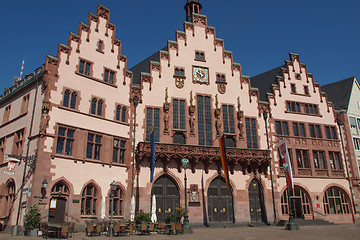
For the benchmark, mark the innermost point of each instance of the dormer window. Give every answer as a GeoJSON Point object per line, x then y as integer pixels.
{"type": "Point", "coordinates": [200, 56]}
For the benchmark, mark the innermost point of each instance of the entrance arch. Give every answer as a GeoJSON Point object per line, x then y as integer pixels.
{"type": "Point", "coordinates": [167, 196]}
{"type": "Point", "coordinates": [220, 202]}
{"type": "Point", "coordinates": [300, 203]}
{"type": "Point", "coordinates": [57, 207]}
{"type": "Point", "coordinates": [256, 202]}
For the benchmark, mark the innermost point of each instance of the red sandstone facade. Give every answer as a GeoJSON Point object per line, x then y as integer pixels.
{"type": "Point", "coordinates": [191, 92]}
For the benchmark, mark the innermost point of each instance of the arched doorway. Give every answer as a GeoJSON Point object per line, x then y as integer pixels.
{"type": "Point", "coordinates": [57, 206]}
{"type": "Point", "coordinates": [220, 202]}
{"type": "Point", "coordinates": [300, 203]}
{"type": "Point", "coordinates": [7, 199]}
{"type": "Point", "coordinates": [256, 202]}
{"type": "Point", "coordinates": [167, 196]}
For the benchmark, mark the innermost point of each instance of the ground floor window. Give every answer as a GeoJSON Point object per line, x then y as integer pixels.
{"type": "Point", "coordinates": [300, 202]}
{"type": "Point", "coordinates": [336, 201]}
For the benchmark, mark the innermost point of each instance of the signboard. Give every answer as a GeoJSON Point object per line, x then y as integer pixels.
{"type": "Point", "coordinates": [11, 164]}
{"type": "Point", "coordinates": [53, 203]}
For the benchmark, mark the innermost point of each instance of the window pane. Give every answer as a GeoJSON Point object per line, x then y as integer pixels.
{"type": "Point", "coordinates": [60, 145]}
{"type": "Point", "coordinates": [68, 148]}
{"type": "Point", "coordinates": [333, 133]}
{"type": "Point", "coordinates": [66, 98]}
{"type": "Point", "coordinates": [99, 109]}
{"type": "Point", "coordinates": [118, 108]}
{"type": "Point", "coordinates": [111, 80]}
{"type": "Point", "coordinates": [73, 100]}
{"type": "Point", "coordinates": [296, 130]}
{"type": "Point", "coordinates": [87, 69]}
{"type": "Point", "coordinates": [123, 114]}
{"type": "Point", "coordinates": [89, 150]}
{"type": "Point", "coordinates": [254, 133]}
{"type": "Point", "coordinates": [278, 128]}
{"type": "Point", "coordinates": [285, 128]}
{"type": "Point", "coordinates": [200, 111]}
{"type": "Point", "coordinates": [106, 75]}
{"type": "Point", "coordinates": [81, 67]}
{"type": "Point", "coordinates": [225, 119]}
{"type": "Point", "coordinates": [231, 119]}
{"type": "Point", "coordinates": [93, 106]}
{"type": "Point", "coordinates": [115, 154]}
{"type": "Point", "coordinates": [302, 130]}
{"type": "Point", "coordinates": [208, 125]}
{"type": "Point", "coordinates": [175, 114]}
{"type": "Point", "coordinates": [182, 114]}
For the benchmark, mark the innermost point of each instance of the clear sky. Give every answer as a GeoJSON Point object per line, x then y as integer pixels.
{"type": "Point", "coordinates": [260, 33]}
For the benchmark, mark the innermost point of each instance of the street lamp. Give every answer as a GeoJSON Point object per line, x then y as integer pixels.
{"type": "Point", "coordinates": [113, 187]}
{"type": "Point", "coordinates": [265, 114]}
{"type": "Point", "coordinates": [291, 225]}
{"type": "Point", "coordinates": [187, 227]}
{"type": "Point", "coordinates": [43, 187]}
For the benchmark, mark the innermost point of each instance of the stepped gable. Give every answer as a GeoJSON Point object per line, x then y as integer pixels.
{"type": "Point", "coordinates": [94, 24]}
{"type": "Point", "coordinates": [144, 71]}
{"type": "Point", "coordinates": [340, 99]}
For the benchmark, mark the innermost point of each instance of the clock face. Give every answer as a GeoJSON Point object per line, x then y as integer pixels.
{"type": "Point", "coordinates": [201, 75]}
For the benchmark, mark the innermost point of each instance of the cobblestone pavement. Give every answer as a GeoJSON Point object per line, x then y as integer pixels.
{"type": "Point", "coordinates": [329, 232]}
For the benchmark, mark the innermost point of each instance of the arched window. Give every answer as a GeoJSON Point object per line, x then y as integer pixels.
{"type": "Point", "coordinates": [336, 201]}
{"type": "Point", "coordinates": [93, 105]}
{"type": "Point", "coordinates": [66, 98]}
{"type": "Point", "coordinates": [89, 200]}
{"type": "Point", "coordinates": [300, 202]}
{"type": "Point", "coordinates": [123, 114]}
{"type": "Point", "coordinates": [118, 203]}
{"type": "Point", "coordinates": [118, 109]}
{"type": "Point", "coordinates": [99, 107]}
{"type": "Point", "coordinates": [73, 100]}
{"type": "Point", "coordinates": [9, 198]}
{"type": "Point", "coordinates": [60, 188]}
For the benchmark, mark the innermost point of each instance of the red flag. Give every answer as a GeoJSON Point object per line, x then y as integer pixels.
{"type": "Point", "coordinates": [286, 159]}
{"type": "Point", "coordinates": [224, 161]}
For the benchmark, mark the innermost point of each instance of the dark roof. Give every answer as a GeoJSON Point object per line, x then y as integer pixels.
{"type": "Point", "coordinates": [339, 92]}
{"type": "Point", "coordinates": [144, 66]}
{"type": "Point", "coordinates": [264, 82]}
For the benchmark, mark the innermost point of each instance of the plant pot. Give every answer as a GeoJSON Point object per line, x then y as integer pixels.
{"type": "Point", "coordinates": [31, 232]}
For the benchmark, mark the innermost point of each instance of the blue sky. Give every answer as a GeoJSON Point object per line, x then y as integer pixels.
{"type": "Point", "coordinates": [260, 33]}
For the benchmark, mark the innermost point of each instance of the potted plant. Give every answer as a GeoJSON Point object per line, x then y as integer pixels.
{"type": "Point", "coordinates": [32, 220]}
{"type": "Point", "coordinates": [142, 217]}
{"type": "Point", "coordinates": [171, 218]}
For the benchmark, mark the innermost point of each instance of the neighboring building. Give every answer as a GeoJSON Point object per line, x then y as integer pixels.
{"type": "Point", "coordinates": [81, 124]}
{"type": "Point", "coordinates": [345, 95]}
{"type": "Point", "coordinates": [301, 114]}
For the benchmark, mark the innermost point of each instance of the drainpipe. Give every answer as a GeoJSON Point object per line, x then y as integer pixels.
{"type": "Point", "coordinates": [15, 230]}
{"type": "Point", "coordinates": [339, 123]}
{"type": "Point", "coordinates": [265, 114]}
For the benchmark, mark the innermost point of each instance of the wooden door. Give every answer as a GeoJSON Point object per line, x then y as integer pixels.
{"type": "Point", "coordinates": [167, 197]}
{"type": "Point", "coordinates": [256, 202]}
{"type": "Point", "coordinates": [57, 210]}
{"type": "Point", "coordinates": [220, 202]}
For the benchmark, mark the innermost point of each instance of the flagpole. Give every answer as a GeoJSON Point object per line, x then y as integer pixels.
{"type": "Point", "coordinates": [136, 101]}
{"type": "Point", "coordinates": [291, 225]}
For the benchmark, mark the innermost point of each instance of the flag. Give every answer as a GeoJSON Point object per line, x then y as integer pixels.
{"type": "Point", "coordinates": [152, 144]}
{"type": "Point", "coordinates": [224, 160]}
{"type": "Point", "coordinates": [284, 154]}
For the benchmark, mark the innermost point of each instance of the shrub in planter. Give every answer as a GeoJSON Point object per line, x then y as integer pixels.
{"type": "Point", "coordinates": [142, 217]}
{"type": "Point", "coordinates": [171, 218]}
{"type": "Point", "coordinates": [32, 219]}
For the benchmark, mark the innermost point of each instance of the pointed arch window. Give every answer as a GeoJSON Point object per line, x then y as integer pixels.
{"type": "Point", "coordinates": [60, 188]}
{"type": "Point", "coordinates": [118, 202]}
{"type": "Point", "coordinates": [97, 106]}
{"type": "Point", "coordinates": [70, 99]}
{"type": "Point", "coordinates": [89, 200]}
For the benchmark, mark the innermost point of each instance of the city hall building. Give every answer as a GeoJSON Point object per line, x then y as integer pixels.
{"type": "Point", "coordinates": [82, 120]}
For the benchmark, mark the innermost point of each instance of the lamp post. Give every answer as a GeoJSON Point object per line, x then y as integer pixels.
{"type": "Point", "coordinates": [113, 187]}
{"type": "Point", "coordinates": [265, 114]}
{"type": "Point", "coordinates": [291, 225]}
{"type": "Point", "coordinates": [187, 227]}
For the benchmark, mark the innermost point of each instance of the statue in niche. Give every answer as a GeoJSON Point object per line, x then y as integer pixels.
{"type": "Point", "coordinates": [217, 112]}
{"type": "Point", "coordinates": [192, 116]}
{"type": "Point", "coordinates": [44, 123]}
{"type": "Point", "coordinates": [166, 109]}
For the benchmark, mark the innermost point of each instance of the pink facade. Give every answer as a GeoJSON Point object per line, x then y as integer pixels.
{"type": "Point", "coordinates": [191, 93]}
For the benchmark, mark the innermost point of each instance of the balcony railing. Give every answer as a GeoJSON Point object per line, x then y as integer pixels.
{"type": "Point", "coordinates": [249, 160]}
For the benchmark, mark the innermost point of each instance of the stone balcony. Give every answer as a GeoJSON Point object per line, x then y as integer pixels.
{"type": "Point", "coordinates": [247, 160]}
